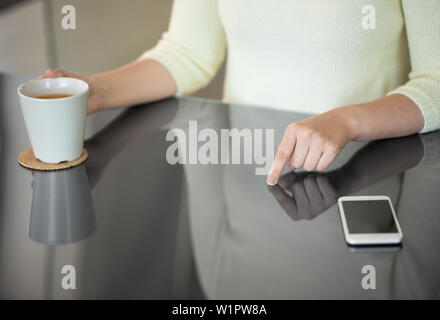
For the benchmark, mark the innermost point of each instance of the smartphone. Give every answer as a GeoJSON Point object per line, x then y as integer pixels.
{"type": "Point", "coordinates": [369, 220]}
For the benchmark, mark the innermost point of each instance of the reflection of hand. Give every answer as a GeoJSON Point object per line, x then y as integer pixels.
{"type": "Point", "coordinates": [304, 195]}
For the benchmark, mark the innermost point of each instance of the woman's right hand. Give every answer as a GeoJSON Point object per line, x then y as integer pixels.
{"type": "Point", "coordinates": [95, 93]}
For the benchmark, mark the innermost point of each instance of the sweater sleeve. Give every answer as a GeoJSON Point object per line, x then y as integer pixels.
{"type": "Point", "coordinates": [422, 20]}
{"type": "Point", "coordinates": [194, 46]}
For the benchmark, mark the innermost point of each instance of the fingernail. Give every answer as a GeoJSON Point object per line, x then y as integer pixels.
{"type": "Point", "coordinates": [271, 181]}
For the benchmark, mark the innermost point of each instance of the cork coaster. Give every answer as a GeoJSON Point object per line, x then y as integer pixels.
{"type": "Point", "coordinates": [28, 160]}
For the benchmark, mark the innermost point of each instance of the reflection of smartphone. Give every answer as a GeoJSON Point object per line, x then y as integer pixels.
{"type": "Point", "coordinates": [369, 220]}
{"type": "Point", "coordinates": [375, 248]}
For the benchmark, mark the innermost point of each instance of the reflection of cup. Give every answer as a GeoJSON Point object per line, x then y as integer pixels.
{"type": "Point", "coordinates": [62, 208]}
{"type": "Point", "coordinates": [55, 126]}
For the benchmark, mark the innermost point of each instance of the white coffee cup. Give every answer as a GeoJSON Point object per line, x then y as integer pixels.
{"type": "Point", "coordinates": [56, 127]}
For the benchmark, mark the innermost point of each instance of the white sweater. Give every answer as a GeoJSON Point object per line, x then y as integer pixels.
{"type": "Point", "coordinates": [307, 55]}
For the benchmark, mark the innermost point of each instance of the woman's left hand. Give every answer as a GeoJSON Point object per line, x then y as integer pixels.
{"type": "Point", "coordinates": [313, 143]}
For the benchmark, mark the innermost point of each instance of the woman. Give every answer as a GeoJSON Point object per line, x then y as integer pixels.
{"type": "Point", "coordinates": [312, 56]}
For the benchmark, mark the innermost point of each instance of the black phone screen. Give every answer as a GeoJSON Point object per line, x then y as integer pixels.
{"type": "Point", "coordinates": [369, 216]}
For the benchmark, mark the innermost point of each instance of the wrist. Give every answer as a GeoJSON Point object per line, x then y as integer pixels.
{"type": "Point", "coordinates": [350, 121]}
{"type": "Point", "coordinates": [102, 90]}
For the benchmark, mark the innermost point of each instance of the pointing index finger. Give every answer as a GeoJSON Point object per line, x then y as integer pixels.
{"type": "Point", "coordinates": [282, 157]}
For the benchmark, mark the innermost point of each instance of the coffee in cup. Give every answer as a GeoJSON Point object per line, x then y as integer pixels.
{"type": "Point", "coordinates": [55, 96]}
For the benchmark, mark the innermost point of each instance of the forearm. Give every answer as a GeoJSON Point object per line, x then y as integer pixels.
{"type": "Point", "coordinates": [138, 82]}
{"type": "Point", "coordinates": [393, 116]}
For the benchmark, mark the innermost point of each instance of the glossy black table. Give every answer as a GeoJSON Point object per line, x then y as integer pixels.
{"type": "Point", "coordinates": [134, 226]}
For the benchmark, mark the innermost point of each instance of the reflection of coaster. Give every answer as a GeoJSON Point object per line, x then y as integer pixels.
{"type": "Point", "coordinates": [28, 160]}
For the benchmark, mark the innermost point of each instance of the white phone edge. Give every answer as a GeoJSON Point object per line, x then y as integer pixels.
{"type": "Point", "coordinates": [369, 238]}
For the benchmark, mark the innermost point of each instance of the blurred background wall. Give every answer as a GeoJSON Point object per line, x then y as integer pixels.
{"type": "Point", "coordinates": [22, 37]}
{"type": "Point", "coordinates": [109, 33]}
